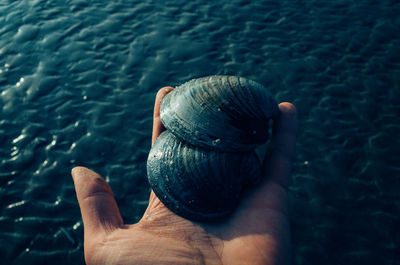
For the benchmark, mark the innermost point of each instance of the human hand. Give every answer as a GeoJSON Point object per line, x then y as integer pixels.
{"type": "Point", "coordinates": [257, 233]}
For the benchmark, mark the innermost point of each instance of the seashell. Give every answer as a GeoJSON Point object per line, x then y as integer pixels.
{"type": "Point", "coordinates": [205, 160]}
{"type": "Point", "coordinates": [227, 113]}
{"type": "Point", "coordinates": [197, 183]}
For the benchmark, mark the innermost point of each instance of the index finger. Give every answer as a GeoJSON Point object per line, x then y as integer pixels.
{"type": "Point", "coordinates": [158, 127]}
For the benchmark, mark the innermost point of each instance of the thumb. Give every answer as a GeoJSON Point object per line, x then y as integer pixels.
{"type": "Point", "coordinates": [99, 210]}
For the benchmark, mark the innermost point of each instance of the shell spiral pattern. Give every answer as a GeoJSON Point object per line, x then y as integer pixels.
{"type": "Point", "coordinates": [201, 165]}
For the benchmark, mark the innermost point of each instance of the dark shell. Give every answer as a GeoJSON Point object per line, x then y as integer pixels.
{"type": "Point", "coordinates": [227, 113]}
{"type": "Point", "coordinates": [196, 183]}
{"type": "Point", "coordinates": [201, 165]}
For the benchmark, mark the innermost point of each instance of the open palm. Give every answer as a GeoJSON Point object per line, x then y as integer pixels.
{"type": "Point", "coordinates": [257, 233]}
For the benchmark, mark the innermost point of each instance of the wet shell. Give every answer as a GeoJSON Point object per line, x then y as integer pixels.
{"type": "Point", "coordinates": [201, 165]}
{"type": "Point", "coordinates": [196, 183]}
{"type": "Point", "coordinates": [227, 113]}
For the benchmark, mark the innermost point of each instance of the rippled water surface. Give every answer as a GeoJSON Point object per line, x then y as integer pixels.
{"type": "Point", "coordinates": [78, 80]}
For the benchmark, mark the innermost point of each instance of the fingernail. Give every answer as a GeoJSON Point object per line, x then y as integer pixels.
{"type": "Point", "coordinates": [83, 171]}
{"type": "Point", "coordinates": [168, 89]}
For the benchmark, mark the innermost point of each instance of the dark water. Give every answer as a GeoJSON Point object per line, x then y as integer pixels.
{"type": "Point", "coordinates": [78, 80]}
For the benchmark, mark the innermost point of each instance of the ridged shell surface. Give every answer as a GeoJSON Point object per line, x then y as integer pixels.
{"type": "Point", "coordinates": [196, 183]}
{"type": "Point", "coordinates": [205, 160]}
{"type": "Point", "coordinates": [227, 113]}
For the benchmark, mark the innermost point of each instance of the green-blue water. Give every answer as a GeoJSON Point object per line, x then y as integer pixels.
{"type": "Point", "coordinates": [78, 80]}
